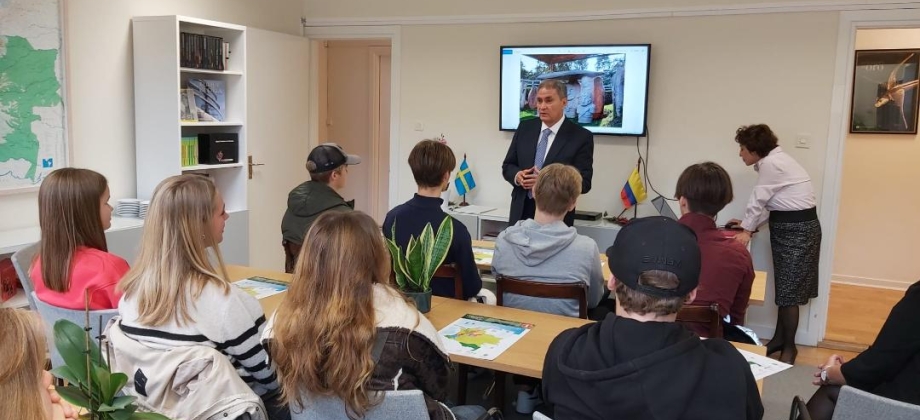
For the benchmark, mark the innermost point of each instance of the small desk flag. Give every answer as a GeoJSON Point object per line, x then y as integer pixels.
{"type": "Point", "coordinates": [634, 190]}
{"type": "Point", "coordinates": [464, 181]}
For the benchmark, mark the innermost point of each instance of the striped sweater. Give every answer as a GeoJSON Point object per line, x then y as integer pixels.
{"type": "Point", "coordinates": [232, 323]}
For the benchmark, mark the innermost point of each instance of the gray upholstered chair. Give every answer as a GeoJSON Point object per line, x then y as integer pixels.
{"type": "Point", "coordinates": [22, 261]}
{"type": "Point", "coordinates": [51, 314]}
{"type": "Point", "coordinates": [854, 404]}
{"type": "Point", "coordinates": [402, 405]}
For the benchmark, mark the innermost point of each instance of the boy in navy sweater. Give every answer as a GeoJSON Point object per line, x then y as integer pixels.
{"type": "Point", "coordinates": [432, 163]}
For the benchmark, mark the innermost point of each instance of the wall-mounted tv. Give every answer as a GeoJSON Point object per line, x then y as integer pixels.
{"type": "Point", "coordinates": [607, 85]}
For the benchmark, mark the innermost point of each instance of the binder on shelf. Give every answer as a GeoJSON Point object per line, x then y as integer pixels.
{"type": "Point", "coordinates": [201, 51]}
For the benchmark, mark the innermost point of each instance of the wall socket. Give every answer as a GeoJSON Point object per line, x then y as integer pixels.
{"type": "Point", "coordinates": [803, 141]}
{"type": "Point", "coordinates": [419, 126]}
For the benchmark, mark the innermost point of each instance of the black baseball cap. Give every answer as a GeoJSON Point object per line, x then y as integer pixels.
{"type": "Point", "coordinates": [656, 243]}
{"type": "Point", "coordinates": [329, 156]}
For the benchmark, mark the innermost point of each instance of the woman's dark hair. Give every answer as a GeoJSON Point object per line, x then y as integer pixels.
{"type": "Point", "coordinates": [757, 138]}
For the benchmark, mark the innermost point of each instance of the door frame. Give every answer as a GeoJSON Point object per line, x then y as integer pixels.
{"type": "Point", "coordinates": [317, 35]}
{"type": "Point", "coordinates": [374, 55]}
{"type": "Point", "coordinates": [838, 128]}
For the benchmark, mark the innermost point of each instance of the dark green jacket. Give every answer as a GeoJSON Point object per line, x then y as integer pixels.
{"type": "Point", "coordinates": [305, 203]}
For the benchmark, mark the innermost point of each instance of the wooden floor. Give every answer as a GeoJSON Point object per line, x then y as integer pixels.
{"type": "Point", "coordinates": [855, 315]}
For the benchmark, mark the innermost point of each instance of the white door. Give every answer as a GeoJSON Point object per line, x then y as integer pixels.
{"type": "Point", "coordinates": [353, 117]}
{"type": "Point", "coordinates": [277, 89]}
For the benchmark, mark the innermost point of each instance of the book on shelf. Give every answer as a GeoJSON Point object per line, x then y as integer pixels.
{"type": "Point", "coordinates": [210, 98]}
{"type": "Point", "coordinates": [205, 52]}
{"type": "Point", "coordinates": [189, 151]}
{"type": "Point", "coordinates": [187, 110]}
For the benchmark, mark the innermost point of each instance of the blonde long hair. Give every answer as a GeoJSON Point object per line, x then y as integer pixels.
{"type": "Point", "coordinates": [173, 265]}
{"type": "Point", "coordinates": [69, 203]}
{"type": "Point", "coordinates": [22, 350]}
{"type": "Point", "coordinates": [325, 327]}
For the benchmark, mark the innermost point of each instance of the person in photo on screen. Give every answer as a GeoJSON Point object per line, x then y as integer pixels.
{"type": "Point", "coordinates": [73, 257]}
{"type": "Point", "coordinates": [178, 293]}
{"type": "Point", "coordinates": [539, 142]}
{"type": "Point", "coordinates": [727, 272]}
{"type": "Point", "coordinates": [639, 363]}
{"type": "Point", "coordinates": [344, 331]}
{"type": "Point", "coordinates": [889, 368]}
{"type": "Point", "coordinates": [24, 384]}
{"type": "Point", "coordinates": [784, 195]}
{"type": "Point", "coordinates": [432, 162]}
{"type": "Point", "coordinates": [328, 166]}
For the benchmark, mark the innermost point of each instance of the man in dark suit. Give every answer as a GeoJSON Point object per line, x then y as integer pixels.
{"type": "Point", "coordinates": [540, 142]}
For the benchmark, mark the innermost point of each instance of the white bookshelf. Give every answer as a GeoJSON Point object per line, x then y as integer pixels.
{"type": "Point", "coordinates": [158, 78]}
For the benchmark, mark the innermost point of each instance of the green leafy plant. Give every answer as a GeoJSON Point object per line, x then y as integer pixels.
{"type": "Point", "coordinates": [415, 267]}
{"type": "Point", "coordinates": [91, 383]}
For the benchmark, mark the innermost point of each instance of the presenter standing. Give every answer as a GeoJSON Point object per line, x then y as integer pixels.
{"type": "Point", "coordinates": [784, 195]}
{"type": "Point", "coordinates": [540, 142]}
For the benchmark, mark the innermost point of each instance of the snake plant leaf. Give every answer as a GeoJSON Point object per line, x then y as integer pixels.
{"type": "Point", "coordinates": [415, 257]}
{"type": "Point", "coordinates": [441, 245]}
{"type": "Point", "coordinates": [398, 262]}
{"type": "Point", "coordinates": [427, 241]}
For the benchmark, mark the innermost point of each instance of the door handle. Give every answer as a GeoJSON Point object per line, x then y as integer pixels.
{"type": "Point", "coordinates": [250, 164]}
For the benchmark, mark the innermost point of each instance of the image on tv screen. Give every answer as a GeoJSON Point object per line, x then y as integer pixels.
{"type": "Point", "coordinates": [606, 85]}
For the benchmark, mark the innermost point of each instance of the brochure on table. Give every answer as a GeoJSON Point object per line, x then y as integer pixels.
{"type": "Point", "coordinates": [261, 287]}
{"type": "Point", "coordinates": [482, 337]}
{"type": "Point", "coordinates": [762, 366]}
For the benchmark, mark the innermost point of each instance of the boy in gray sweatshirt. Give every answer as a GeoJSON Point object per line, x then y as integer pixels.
{"type": "Point", "coordinates": [544, 249]}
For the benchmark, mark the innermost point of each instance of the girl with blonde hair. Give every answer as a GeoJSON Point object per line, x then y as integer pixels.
{"type": "Point", "coordinates": [24, 385]}
{"type": "Point", "coordinates": [177, 296]}
{"type": "Point", "coordinates": [340, 306]}
{"type": "Point", "coordinates": [74, 212]}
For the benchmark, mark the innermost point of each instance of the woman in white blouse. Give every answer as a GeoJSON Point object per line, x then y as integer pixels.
{"type": "Point", "coordinates": [783, 195]}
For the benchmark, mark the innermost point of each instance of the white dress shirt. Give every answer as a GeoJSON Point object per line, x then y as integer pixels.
{"type": "Point", "coordinates": [782, 185]}
{"type": "Point", "coordinates": [552, 136]}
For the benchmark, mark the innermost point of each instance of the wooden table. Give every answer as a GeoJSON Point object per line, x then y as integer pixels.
{"type": "Point", "coordinates": [757, 289]}
{"type": "Point", "coordinates": [524, 358]}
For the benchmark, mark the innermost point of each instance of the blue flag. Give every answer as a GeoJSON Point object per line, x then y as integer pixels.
{"type": "Point", "coordinates": [464, 181]}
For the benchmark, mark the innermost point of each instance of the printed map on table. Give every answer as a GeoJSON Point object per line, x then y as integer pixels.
{"type": "Point", "coordinates": [32, 137]}
{"type": "Point", "coordinates": [482, 337]}
{"type": "Point", "coordinates": [483, 255]}
{"type": "Point", "coordinates": [261, 287]}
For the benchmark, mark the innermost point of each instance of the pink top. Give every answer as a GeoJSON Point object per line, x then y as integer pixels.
{"type": "Point", "coordinates": [92, 269]}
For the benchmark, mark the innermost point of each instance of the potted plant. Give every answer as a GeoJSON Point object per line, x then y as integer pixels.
{"type": "Point", "coordinates": [91, 383]}
{"type": "Point", "coordinates": [414, 268]}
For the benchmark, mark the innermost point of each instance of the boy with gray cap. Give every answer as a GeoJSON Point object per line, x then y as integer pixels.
{"type": "Point", "coordinates": [639, 363]}
{"type": "Point", "coordinates": [328, 166]}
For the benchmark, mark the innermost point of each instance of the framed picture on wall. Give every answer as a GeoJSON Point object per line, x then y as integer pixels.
{"type": "Point", "coordinates": [885, 92]}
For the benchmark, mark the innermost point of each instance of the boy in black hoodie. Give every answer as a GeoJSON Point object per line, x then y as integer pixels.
{"type": "Point", "coordinates": [639, 363]}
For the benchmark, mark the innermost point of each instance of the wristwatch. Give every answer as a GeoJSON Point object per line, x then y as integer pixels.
{"type": "Point", "coordinates": [823, 376]}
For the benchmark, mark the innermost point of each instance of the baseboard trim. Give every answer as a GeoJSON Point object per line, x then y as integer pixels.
{"type": "Point", "coordinates": [870, 282]}
{"type": "Point", "coordinates": [840, 345]}
{"type": "Point", "coordinates": [590, 15]}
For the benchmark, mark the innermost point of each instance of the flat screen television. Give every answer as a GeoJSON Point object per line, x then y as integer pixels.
{"type": "Point", "coordinates": [607, 85]}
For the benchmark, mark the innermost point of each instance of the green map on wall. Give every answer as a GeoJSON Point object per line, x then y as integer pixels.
{"type": "Point", "coordinates": [32, 138]}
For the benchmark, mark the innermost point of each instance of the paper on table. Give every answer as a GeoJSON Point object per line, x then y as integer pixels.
{"type": "Point", "coordinates": [762, 366]}
{"type": "Point", "coordinates": [261, 287]}
{"type": "Point", "coordinates": [471, 209]}
{"type": "Point", "coordinates": [482, 337]}
{"type": "Point", "coordinates": [483, 255]}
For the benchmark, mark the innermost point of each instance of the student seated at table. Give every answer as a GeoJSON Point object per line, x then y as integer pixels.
{"type": "Point", "coordinates": [73, 259]}
{"type": "Point", "coordinates": [889, 368]}
{"type": "Point", "coordinates": [24, 384]}
{"type": "Point", "coordinates": [328, 166]}
{"type": "Point", "coordinates": [545, 249]}
{"type": "Point", "coordinates": [343, 330]}
{"type": "Point", "coordinates": [431, 163]}
{"type": "Point", "coordinates": [639, 363]}
{"type": "Point", "coordinates": [727, 272]}
{"type": "Point", "coordinates": [176, 296]}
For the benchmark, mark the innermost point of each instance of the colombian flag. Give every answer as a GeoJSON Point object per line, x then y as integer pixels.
{"type": "Point", "coordinates": [464, 181]}
{"type": "Point", "coordinates": [634, 191]}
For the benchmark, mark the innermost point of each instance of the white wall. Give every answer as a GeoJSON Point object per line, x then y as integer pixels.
{"type": "Point", "coordinates": [319, 9]}
{"type": "Point", "coordinates": [100, 77]}
{"type": "Point", "coordinates": [878, 225]}
{"type": "Point", "coordinates": [709, 75]}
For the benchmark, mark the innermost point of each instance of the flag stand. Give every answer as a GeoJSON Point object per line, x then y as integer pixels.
{"type": "Point", "coordinates": [463, 203]}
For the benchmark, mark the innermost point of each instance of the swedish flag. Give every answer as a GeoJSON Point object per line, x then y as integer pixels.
{"type": "Point", "coordinates": [464, 181]}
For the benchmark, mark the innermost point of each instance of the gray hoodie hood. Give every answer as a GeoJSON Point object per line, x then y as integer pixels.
{"type": "Point", "coordinates": [534, 242]}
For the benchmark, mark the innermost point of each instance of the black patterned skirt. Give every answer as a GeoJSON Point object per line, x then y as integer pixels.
{"type": "Point", "coordinates": [795, 239]}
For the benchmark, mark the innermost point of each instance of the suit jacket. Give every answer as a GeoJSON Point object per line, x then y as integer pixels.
{"type": "Point", "coordinates": [573, 145]}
